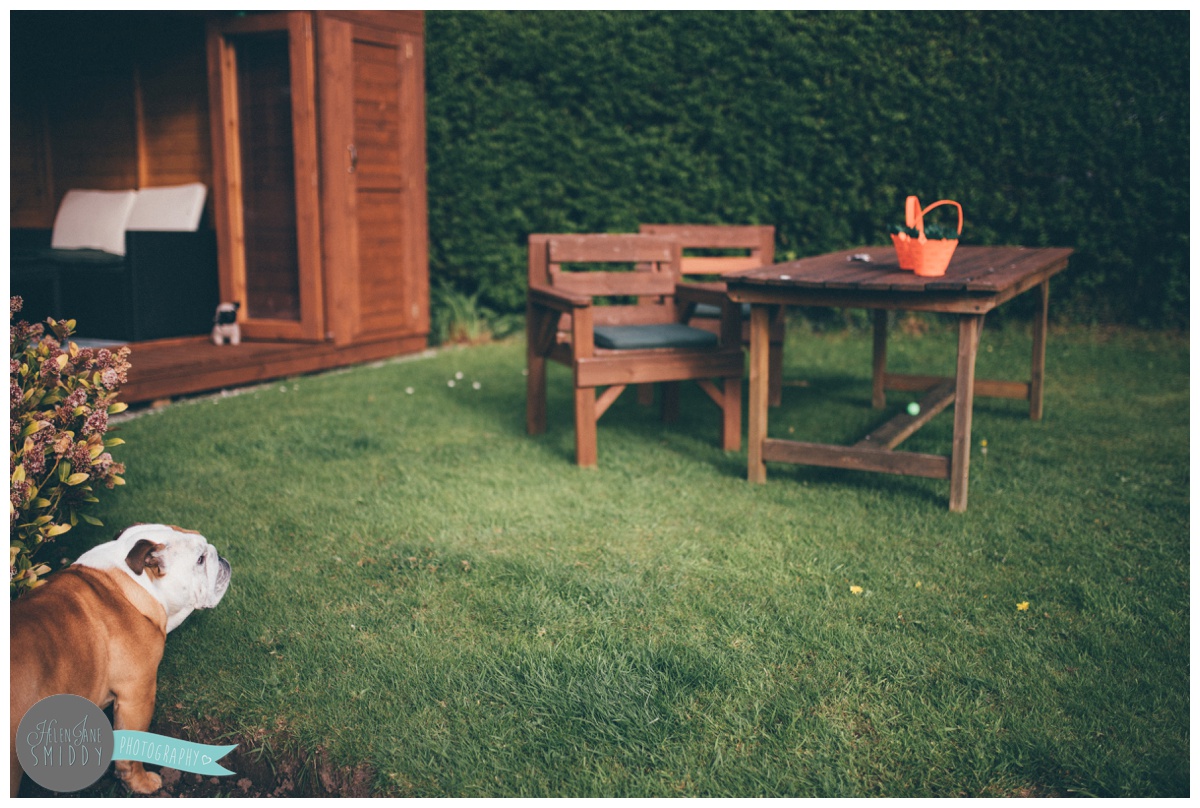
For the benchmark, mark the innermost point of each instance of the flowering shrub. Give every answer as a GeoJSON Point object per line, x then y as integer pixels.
{"type": "Point", "coordinates": [60, 397]}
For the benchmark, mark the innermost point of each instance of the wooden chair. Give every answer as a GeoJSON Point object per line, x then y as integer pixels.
{"type": "Point", "coordinates": [638, 339]}
{"type": "Point", "coordinates": [756, 243]}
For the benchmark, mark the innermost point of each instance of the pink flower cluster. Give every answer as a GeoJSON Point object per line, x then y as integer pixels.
{"type": "Point", "coordinates": [59, 404]}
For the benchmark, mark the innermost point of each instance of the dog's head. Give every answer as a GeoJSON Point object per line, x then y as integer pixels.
{"type": "Point", "coordinates": [178, 567]}
{"type": "Point", "coordinates": [226, 313]}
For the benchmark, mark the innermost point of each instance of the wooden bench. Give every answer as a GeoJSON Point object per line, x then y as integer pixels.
{"type": "Point", "coordinates": [640, 338]}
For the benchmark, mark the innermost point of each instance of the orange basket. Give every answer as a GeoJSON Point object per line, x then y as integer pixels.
{"type": "Point", "coordinates": [926, 257]}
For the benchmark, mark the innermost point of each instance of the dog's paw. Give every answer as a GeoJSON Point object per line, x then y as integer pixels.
{"type": "Point", "coordinates": [141, 781]}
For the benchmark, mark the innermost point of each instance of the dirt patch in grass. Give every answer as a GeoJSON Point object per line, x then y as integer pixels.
{"type": "Point", "coordinates": [258, 772]}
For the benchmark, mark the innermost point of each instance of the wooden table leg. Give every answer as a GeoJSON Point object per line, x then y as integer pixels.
{"type": "Point", "coordinates": [879, 359]}
{"type": "Point", "coordinates": [970, 326]}
{"type": "Point", "coordinates": [1037, 376]}
{"type": "Point", "coordinates": [760, 345]}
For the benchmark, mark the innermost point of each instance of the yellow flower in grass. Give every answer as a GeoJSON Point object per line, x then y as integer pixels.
{"type": "Point", "coordinates": [1023, 606]}
{"type": "Point", "coordinates": [857, 590]}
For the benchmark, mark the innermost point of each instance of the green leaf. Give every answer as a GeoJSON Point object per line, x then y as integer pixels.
{"type": "Point", "coordinates": [77, 478]}
{"type": "Point", "coordinates": [114, 442]}
{"type": "Point", "coordinates": [119, 406]}
{"type": "Point", "coordinates": [56, 530]}
{"type": "Point", "coordinates": [40, 502]}
{"type": "Point", "coordinates": [91, 520]}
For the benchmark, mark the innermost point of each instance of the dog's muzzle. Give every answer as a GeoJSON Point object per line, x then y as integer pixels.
{"type": "Point", "coordinates": [224, 574]}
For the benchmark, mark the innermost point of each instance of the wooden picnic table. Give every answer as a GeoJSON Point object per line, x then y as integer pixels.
{"type": "Point", "coordinates": [978, 280]}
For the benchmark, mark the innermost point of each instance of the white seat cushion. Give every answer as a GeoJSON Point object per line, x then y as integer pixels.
{"type": "Point", "coordinates": [172, 207]}
{"type": "Point", "coordinates": [93, 220]}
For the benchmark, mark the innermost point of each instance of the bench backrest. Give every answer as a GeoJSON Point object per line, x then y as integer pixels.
{"type": "Point", "coordinates": [634, 275]}
{"type": "Point", "coordinates": [755, 245]}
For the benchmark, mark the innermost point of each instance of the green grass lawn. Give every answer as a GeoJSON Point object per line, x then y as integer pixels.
{"type": "Point", "coordinates": [426, 594]}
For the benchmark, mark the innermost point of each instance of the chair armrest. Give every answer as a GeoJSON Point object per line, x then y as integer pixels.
{"type": "Point", "coordinates": [548, 310]}
{"type": "Point", "coordinates": [557, 299]}
{"type": "Point", "coordinates": [711, 293]}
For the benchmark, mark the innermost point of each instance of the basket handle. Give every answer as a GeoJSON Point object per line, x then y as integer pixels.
{"type": "Point", "coordinates": [921, 215]}
{"type": "Point", "coordinates": [912, 211]}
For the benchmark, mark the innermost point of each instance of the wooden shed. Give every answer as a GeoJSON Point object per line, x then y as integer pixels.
{"type": "Point", "coordinates": [306, 127]}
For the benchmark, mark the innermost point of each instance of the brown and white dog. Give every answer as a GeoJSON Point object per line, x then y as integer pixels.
{"type": "Point", "coordinates": [97, 629]}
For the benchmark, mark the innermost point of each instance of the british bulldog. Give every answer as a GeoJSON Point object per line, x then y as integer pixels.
{"type": "Point", "coordinates": [97, 629]}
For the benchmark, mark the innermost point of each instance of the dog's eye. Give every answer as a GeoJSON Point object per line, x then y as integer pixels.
{"type": "Point", "coordinates": [200, 561]}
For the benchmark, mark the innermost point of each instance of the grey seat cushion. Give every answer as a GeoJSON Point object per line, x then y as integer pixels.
{"type": "Point", "coordinates": [669, 335]}
{"type": "Point", "coordinates": [708, 310]}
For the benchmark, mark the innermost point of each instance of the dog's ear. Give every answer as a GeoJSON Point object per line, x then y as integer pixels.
{"type": "Point", "coordinates": [142, 557]}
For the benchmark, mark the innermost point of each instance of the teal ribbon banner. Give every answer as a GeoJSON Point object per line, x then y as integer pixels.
{"type": "Point", "coordinates": [147, 747]}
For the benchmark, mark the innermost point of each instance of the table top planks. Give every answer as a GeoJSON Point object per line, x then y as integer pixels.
{"type": "Point", "coordinates": [972, 270]}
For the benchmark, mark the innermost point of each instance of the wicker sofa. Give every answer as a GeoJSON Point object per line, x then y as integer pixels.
{"type": "Point", "coordinates": [125, 269]}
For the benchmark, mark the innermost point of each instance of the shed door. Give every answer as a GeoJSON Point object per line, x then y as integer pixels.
{"type": "Point", "coordinates": [372, 157]}
{"type": "Point", "coordinates": [265, 189]}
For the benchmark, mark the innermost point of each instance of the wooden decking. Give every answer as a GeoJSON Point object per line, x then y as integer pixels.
{"type": "Point", "coordinates": [164, 369]}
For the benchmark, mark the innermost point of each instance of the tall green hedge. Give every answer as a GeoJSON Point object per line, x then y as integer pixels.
{"type": "Point", "coordinates": [1051, 128]}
